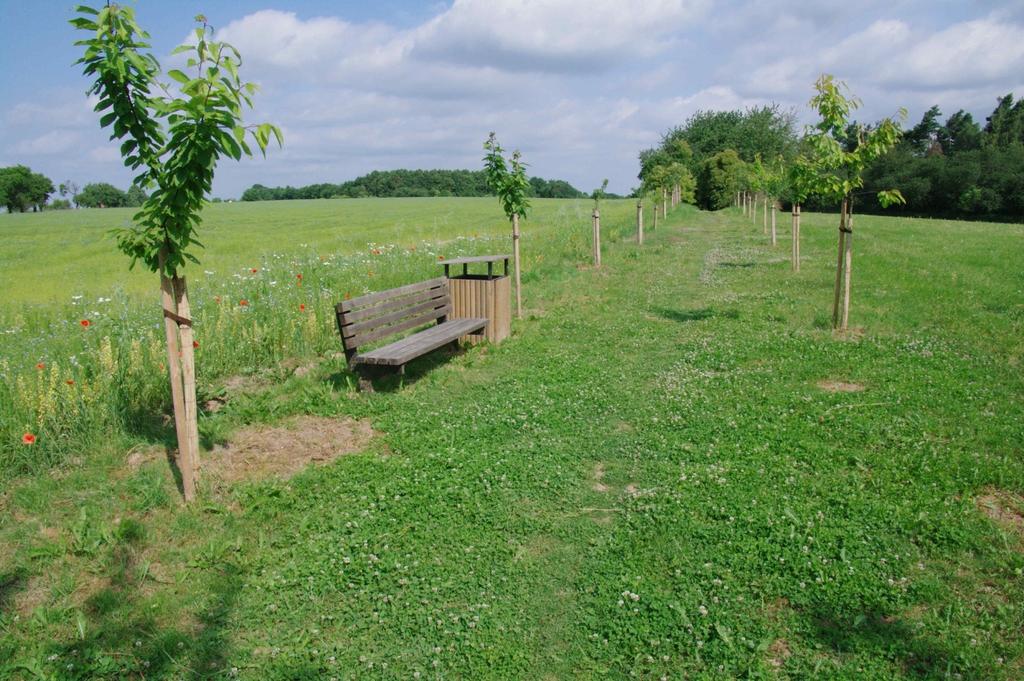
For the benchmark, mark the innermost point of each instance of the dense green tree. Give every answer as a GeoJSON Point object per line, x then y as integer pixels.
{"type": "Point", "coordinates": [922, 136]}
{"type": "Point", "coordinates": [21, 189]}
{"type": "Point", "coordinates": [135, 196]}
{"type": "Point", "coordinates": [1006, 124]}
{"type": "Point", "coordinates": [766, 130]}
{"type": "Point", "coordinates": [101, 195]}
{"type": "Point", "coordinates": [959, 133]}
{"type": "Point", "coordinates": [721, 176]}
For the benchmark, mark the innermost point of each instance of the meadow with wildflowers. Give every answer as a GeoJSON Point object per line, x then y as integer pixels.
{"type": "Point", "coordinates": [672, 469]}
{"type": "Point", "coordinates": [82, 335]}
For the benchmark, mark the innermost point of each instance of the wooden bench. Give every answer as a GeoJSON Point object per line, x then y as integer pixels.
{"type": "Point", "coordinates": [370, 318]}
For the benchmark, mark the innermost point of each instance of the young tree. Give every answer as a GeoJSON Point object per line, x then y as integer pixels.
{"type": "Point", "coordinates": [508, 180]}
{"type": "Point", "coordinates": [173, 140]}
{"type": "Point", "coordinates": [799, 184]}
{"type": "Point", "coordinates": [838, 172]}
{"type": "Point", "coordinates": [770, 178]}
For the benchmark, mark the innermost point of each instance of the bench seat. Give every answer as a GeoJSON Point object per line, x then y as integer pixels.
{"type": "Point", "coordinates": [409, 348]}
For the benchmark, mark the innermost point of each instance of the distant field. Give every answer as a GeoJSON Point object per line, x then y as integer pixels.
{"type": "Point", "coordinates": [51, 256]}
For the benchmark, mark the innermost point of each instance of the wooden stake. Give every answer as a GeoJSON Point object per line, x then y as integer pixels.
{"type": "Point", "coordinates": [764, 216]}
{"type": "Point", "coordinates": [640, 223]}
{"type": "Point", "coordinates": [839, 266]}
{"type": "Point", "coordinates": [773, 224]}
{"type": "Point", "coordinates": [655, 225]}
{"type": "Point", "coordinates": [847, 267]}
{"type": "Point", "coordinates": [664, 203]}
{"type": "Point", "coordinates": [181, 428]}
{"type": "Point", "coordinates": [793, 238]}
{"type": "Point", "coordinates": [597, 238]}
{"type": "Point", "coordinates": [798, 237]}
{"type": "Point", "coordinates": [515, 258]}
{"type": "Point", "coordinates": [188, 372]}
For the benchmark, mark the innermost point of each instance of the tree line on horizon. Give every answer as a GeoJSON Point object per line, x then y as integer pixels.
{"type": "Point", "coordinates": [957, 168]}
{"type": "Point", "coordinates": [408, 183]}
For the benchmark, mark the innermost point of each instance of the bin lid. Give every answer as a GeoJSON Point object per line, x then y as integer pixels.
{"type": "Point", "coordinates": [473, 258]}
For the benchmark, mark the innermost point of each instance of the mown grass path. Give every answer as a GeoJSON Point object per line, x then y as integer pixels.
{"type": "Point", "coordinates": [655, 477]}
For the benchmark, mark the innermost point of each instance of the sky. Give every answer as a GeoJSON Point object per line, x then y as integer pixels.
{"type": "Point", "coordinates": [579, 86]}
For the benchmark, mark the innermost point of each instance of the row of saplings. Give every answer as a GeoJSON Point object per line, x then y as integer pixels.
{"type": "Point", "coordinates": [173, 141]}
{"type": "Point", "coordinates": [827, 169]}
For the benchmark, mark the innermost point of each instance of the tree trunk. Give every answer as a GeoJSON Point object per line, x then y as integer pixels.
{"type": "Point", "coordinates": [840, 258]}
{"type": "Point", "coordinates": [515, 259]}
{"type": "Point", "coordinates": [640, 223]}
{"type": "Point", "coordinates": [655, 225]}
{"type": "Point", "coordinates": [773, 224]}
{"type": "Point", "coordinates": [184, 419]}
{"type": "Point", "coordinates": [847, 266]}
{"type": "Point", "coordinates": [753, 209]}
{"type": "Point", "coordinates": [597, 238]}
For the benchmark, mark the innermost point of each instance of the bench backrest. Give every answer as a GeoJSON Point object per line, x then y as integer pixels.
{"type": "Point", "coordinates": [377, 315]}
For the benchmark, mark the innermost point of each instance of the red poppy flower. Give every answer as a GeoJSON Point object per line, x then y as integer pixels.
{"type": "Point", "coordinates": [299, 277]}
{"type": "Point", "coordinates": [69, 382]}
{"type": "Point", "coordinates": [243, 302]}
{"type": "Point", "coordinates": [195, 344]}
{"type": "Point", "coordinates": [40, 366]}
{"type": "Point", "coordinates": [302, 307]}
{"type": "Point", "coordinates": [216, 299]}
{"type": "Point", "coordinates": [255, 270]}
{"type": "Point", "coordinates": [440, 257]}
{"type": "Point", "coordinates": [85, 323]}
{"type": "Point", "coordinates": [28, 439]}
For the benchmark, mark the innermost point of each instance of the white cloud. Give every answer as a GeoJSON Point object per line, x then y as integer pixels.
{"type": "Point", "coordinates": [971, 53]}
{"type": "Point", "coordinates": [556, 36]}
{"type": "Point", "coordinates": [580, 88]}
{"type": "Point", "coordinates": [283, 40]}
{"type": "Point", "coordinates": [53, 142]}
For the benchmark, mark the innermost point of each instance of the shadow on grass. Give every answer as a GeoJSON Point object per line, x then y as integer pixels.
{"type": "Point", "coordinates": [878, 635]}
{"type": "Point", "coordinates": [118, 634]}
{"type": "Point", "coordinates": [414, 371]}
{"type": "Point", "coordinates": [701, 314]}
{"type": "Point", "coordinates": [11, 583]}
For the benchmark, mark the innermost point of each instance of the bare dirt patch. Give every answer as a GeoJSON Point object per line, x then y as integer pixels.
{"type": "Point", "coordinates": [778, 653]}
{"type": "Point", "coordinates": [632, 490]}
{"type": "Point", "coordinates": [1005, 508]}
{"type": "Point", "coordinates": [597, 476]}
{"type": "Point", "coordinates": [841, 387]}
{"type": "Point", "coordinates": [35, 594]}
{"type": "Point", "coordinates": [282, 451]}
{"type": "Point", "coordinates": [538, 547]}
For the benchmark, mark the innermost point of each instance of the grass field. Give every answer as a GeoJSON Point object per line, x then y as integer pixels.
{"type": "Point", "coordinates": [50, 257]}
{"type": "Point", "coordinates": [673, 469]}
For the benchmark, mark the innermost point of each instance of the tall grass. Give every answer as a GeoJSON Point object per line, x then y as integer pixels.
{"type": "Point", "coordinates": [92, 369]}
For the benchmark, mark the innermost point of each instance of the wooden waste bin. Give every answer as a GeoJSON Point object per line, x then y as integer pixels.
{"type": "Point", "coordinates": [481, 295]}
